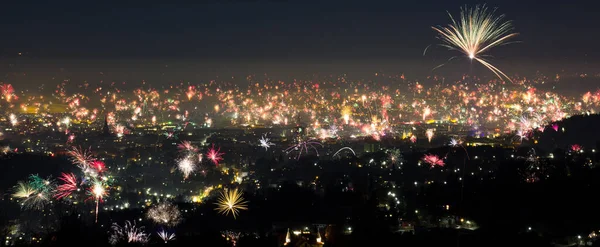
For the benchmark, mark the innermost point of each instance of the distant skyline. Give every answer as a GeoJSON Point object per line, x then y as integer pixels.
{"type": "Point", "coordinates": [267, 35]}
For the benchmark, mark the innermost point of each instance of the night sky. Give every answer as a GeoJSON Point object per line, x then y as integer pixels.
{"type": "Point", "coordinates": [304, 35]}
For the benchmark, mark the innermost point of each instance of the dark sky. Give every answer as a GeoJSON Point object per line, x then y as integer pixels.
{"type": "Point", "coordinates": [278, 32]}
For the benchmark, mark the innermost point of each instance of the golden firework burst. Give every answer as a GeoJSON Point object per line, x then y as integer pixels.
{"type": "Point", "coordinates": [477, 31]}
{"type": "Point", "coordinates": [231, 201]}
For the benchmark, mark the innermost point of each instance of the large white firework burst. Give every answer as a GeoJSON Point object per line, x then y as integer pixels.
{"type": "Point", "coordinates": [187, 166]}
{"type": "Point", "coordinates": [165, 214]}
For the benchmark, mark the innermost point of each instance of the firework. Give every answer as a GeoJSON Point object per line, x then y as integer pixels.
{"type": "Point", "coordinates": [13, 119]}
{"type": "Point", "coordinates": [8, 92]}
{"type": "Point", "coordinates": [458, 143]}
{"type": "Point", "coordinates": [521, 135]}
{"type": "Point", "coordinates": [120, 130]}
{"type": "Point", "coordinates": [413, 138]}
{"type": "Point", "coordinates": [71, 138]}
{"type": "Point", "coordinates": [532, 159]}
{"type": "Point", "coordinates": [23, 190]}
{"type": "Point", "coordinates": [231, 201]}
{"type": "Point", "coordinates": [191, 92]}
{"type": "Point", "coordinates": [99, 166]}
{"type": "Point", "coordinates": [30, 197]}
{"type": "Point", "coordinates": [166, 236]}
{"type": "Point", "coordinates": [187, 147]}
{"type": "Point", "coordinates": [333, 130]}
{"type": "Point", "coordinates": [429, 134]}
{"type": "Point", "coordinates": [214, 155]}
{"type": "Point", "coordinates": [231, 236]}
{"type": "Point", "coordinates": [170, 135]}
{"type": "Point", "coordinates": [433, 160]}
{"type": "Point", "coordinates": [455, 142]}
{"type": "Point", "coordinates": [5, 149]}
{"type": "Point", "coordinates": [165, 214]}
{"type": "Point", "coordinates": [129, 233]}
{"type": "Point", "coordinates": [36, 201]}
{"type": "Point", "coordinates": [81, 157]}
{"type": "Point", "coordinates": [476, 32]}
{"type": "Point", "coordinates": [186, 166]}
{"type": "Point", "coordinates": [97, 192]}
{"type": "Point", "coordinates": [68, 186]}
{"type": "Point", "coordinates": [303, 146]}
{"type": "Point", "coordinates": [394, 156]}
{"type": "Point", "coordinates": [265, 143]}
{"type": "Point", "coordinates": [576, 148]}
{"type": "Point", "coordinates": [42, 185]}
{"type": "Point", "coordinates": [532, 167]}
{"type": "Point", "coordinates": [426, 112]}
{"type": "Point", "coordinates": [342, 149]}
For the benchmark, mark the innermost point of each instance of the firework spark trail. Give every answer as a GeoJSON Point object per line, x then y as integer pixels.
{"type": "Point", "coordinates": [477, 32]}
{"type": "Point", "coordinates": [166, 236]}
{"type": "Point", "coordinates": [23, 190]}
{"type": "Point", "coordinates": [231, 201]}
{"type": "Point", "coordinates": [459, 143]}
{"type": "Point", "coordinates": [36, 201]}
{"type": "Point", "coordinates": [303, 146]}
{"type": "Point", "coordinates": [81, 157]}
{"type": "Point", "coordinates": [68, 186]}
{"type": "Point", "coordinates": [342, 149]}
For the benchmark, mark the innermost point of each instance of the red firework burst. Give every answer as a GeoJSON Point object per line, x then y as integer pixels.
{"type": "Point", "coordinates": [214, 155]}
{"type": "Point", "coordinates": [68, 186]}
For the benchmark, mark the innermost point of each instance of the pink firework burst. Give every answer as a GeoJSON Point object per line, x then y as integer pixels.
{"type": "Point", "coordinates": [186, 146]}
{"type": "Point", "coordinates": [68, 186]}
{"type": "Point", "coordinates": [555, 127]}
{"type": "Point", "coordinates": [576, 148]}
{"type": "Point", "coordinates": [433, 160]}
{"type": "Point", "coordinates": [214, 155]}
{"type": "Point", "coordinates": [98, 165]}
